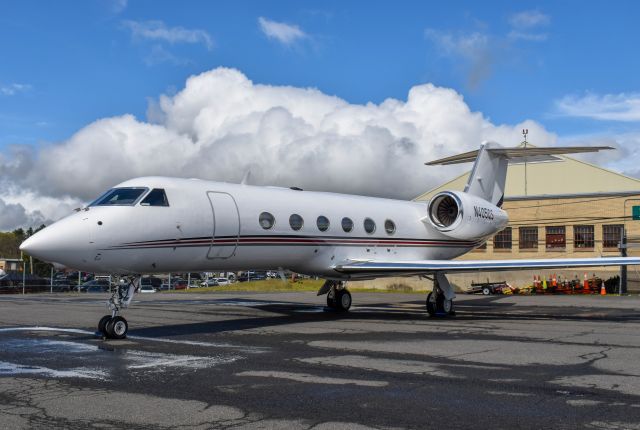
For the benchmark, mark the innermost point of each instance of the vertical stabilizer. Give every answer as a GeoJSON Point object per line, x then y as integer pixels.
{"type": "Point", "coordinates": [488, 175]}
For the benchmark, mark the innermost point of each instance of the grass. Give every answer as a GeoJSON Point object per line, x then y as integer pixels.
{"type": "Point", "coordinates": [278, 285]}
{"type": "Point", "coordinates": [267, 285]}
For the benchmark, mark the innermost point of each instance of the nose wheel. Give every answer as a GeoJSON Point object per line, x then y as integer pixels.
{"type": "Point", "coordinates": [113, 327]}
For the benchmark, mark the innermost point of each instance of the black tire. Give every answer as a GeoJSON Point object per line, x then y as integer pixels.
{"type": "Point", "coordinates": [331, 299]}
{"type": "Point", "coordinates": [102, 324]}
{"type": "Point", "coordinates": [343, 300]}
{"type": "Point", "coordinates": [431, 305]}
{"type": "Point", "coordinates": [444, 306]}
{"type": "Point", "coordinates": [486, 291]}
{"type": "Point", "coordinates": [117, 328]}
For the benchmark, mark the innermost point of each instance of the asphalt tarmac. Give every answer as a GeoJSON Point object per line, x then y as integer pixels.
{"type": "Point", "coordinates": [280, 360]}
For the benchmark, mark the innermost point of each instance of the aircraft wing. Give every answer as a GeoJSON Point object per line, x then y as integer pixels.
{"type": "Point", "coordinates": [394, 268]}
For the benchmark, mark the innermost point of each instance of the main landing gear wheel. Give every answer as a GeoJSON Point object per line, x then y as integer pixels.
{"type": "Point", "coordinates": [331, 299]}
{"type": "Point", "coordinates": [438, 305]}
{"type": "Point", "coordinates": [343, 300]}
{"type": "Point", "coordinates": [339, 300]}
{"type": "Point", "coordinates": [102, 324]}
{"type": "Point", "coordinates": [117, 328]}
{"type": "Point", "coordinates": [431, 304]}
{"type": "Point", "coordinates": [444, 306]}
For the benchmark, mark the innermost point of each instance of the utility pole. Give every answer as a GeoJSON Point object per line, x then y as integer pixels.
{"type": "Point", "coordinates": [525, 132]}
{"type": "Point", "coordinates": [623, 269]}
{"type": "Point", "coordinates": [24, 274]}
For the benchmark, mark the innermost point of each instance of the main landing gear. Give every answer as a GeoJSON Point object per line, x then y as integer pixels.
{"type": "Point", "coordinates": [440, 300]}
{"type": "Point", "coordinates": [338, 297]}
{"type": "Point", "coordinates": [115, 326]}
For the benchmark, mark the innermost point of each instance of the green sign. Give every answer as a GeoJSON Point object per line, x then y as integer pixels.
{"type": "Point", "coordinates": [635, 212]}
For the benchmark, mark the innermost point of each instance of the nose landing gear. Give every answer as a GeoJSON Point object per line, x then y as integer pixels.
{"type": "Point", "coordinates": [115, 326]}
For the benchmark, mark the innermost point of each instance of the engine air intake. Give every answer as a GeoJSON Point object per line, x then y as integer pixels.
{"type": "Point", "coordinates": [444, 210]}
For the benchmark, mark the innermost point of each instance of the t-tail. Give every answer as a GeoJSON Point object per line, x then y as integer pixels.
{"type": "Point", "coordinates": [476, 212]}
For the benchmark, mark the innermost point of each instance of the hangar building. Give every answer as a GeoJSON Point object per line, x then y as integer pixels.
{"type": "Point", "coordinates": [559, 208]}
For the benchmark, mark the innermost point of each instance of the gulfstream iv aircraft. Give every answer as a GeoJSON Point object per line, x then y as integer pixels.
{"type": "Point", "coordinates": [158, 224]}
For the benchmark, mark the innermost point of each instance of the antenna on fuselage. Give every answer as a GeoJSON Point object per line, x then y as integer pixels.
{"type": "Point", "coordinates": [245, 178]}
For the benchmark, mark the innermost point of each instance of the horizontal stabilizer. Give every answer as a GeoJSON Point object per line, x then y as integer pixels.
{"type": "Point", "coordinates": [518, 154]}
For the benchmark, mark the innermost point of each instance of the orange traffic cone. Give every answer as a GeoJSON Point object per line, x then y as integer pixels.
{"type": "Point", "coordinates": [603, 290]}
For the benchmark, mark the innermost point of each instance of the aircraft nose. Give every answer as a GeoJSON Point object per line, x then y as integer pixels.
{"type": "Point", "coordinates": [42, 244]}
{"type": "Point", "coordinates": [29, 245]}
{"type": "Point", "coordinates": [59, 242]}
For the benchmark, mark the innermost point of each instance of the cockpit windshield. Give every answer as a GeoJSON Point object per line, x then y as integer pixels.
{"type": "Point", "coordinates": [157, 197]}
{"type": "Point", "coordinates": [120, 197]}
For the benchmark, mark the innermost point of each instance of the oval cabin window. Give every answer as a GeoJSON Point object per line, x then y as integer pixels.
{"type": "Point", "coordinates": [266, 220]}
{"type": "Point", "coordinates": [369, 225]}
{"type": "Point", "coordinates": [296, 222]}
{"type": "Point", "coordinates": [323, 223]}
{"type": "Point", "coordinates": [389, 226]}
{"type": "Point", "coordinates": [347, 224]}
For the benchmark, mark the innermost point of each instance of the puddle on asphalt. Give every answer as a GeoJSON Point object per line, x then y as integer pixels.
{"type": "Point", "coordinates": [52, 358]}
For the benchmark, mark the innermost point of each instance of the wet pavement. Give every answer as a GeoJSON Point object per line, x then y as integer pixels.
{"type": "Point", "coordinates": [280, 360]}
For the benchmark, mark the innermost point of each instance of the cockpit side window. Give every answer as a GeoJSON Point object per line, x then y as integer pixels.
{"type": "Point", "coordinates": [157, 197]}
{"type": "Point", "coordinates": [120, 197]}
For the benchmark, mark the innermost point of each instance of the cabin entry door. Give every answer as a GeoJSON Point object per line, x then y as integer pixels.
{"type": "Point", "coordinates": [226, 225]}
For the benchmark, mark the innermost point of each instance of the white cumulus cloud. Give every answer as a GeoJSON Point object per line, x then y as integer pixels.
{"type": "Point", "coordinates": [284, 33]}
{"type": "Point", "coordinates": [529, 19]}
{"type": "Point", "coordinates": [14, 88]}
{"type": "Point", "coordinates": [159, 31]}
{"type": "Point", "coordinates": [608, 107]}
{"type": "Point", "coordinates": [527, 25]}
{"type": "Point", "coordinates": [221, 124]}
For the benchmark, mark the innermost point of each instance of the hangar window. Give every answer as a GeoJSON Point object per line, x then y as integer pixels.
{"type": "Point", "coordinates": [556, 237]}
{"type": "Point", "coordinates": [347, 224]}
{"type": "Point", "coordinates": [583, 236]}
{"type": "Point", "coordinates": [296, 222]}
{"type": "Point", "coordinates": [266, 220]}
{"type": "Point", "coordinates": [157, 197]}
{"type": "Point", "coordinates": [323, 223]}
{"type": "Point", "coordinates": [528, 237]}
{"type": "Point", "coordinates": [389, 227]}
{"type": "Point", "coordinates": [369, 225]}
{"type": "Point", "coordinates": [612, 235]}
{"type": "Point", "coordinates": [119, 197]}
{"type": "Point", "coordinates": [502, 240]}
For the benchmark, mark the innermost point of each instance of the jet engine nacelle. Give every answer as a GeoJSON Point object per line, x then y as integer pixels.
{"type": "Point", "coordinates": [463, 216]}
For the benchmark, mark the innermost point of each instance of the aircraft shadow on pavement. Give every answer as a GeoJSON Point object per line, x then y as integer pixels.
{"type": "Point", "coordinates": [478, 310]}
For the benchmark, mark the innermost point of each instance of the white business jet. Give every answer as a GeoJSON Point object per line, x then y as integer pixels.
{"type": "Point", "coordinates": [159, 224]}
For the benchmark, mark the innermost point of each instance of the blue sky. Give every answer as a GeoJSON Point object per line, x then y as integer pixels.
{"type": "Point", "coordinates": [67, 63]}
{"type": "Point", "coordinates": [95, 92]}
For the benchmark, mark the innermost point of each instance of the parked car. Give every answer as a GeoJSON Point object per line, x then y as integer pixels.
{"type": "Point", "coordinates": [61, 285]}
{"type": "Point", "coordinates": [252, 276]}
{"type": "Point", "coordinates": [151, 281]}
{"type": "Point", "coordinates": [211, 282]}
{"type": "Point", "coordinates": [180, 284]}
{"type": "Point", "coordinates": [147, 289]}
{"type": "Point", "coordinates": [96, 289]}
{"type": "Point", "coordinates": [223, 281]}
{"type": "Point", "coordinates": [102, 284]}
